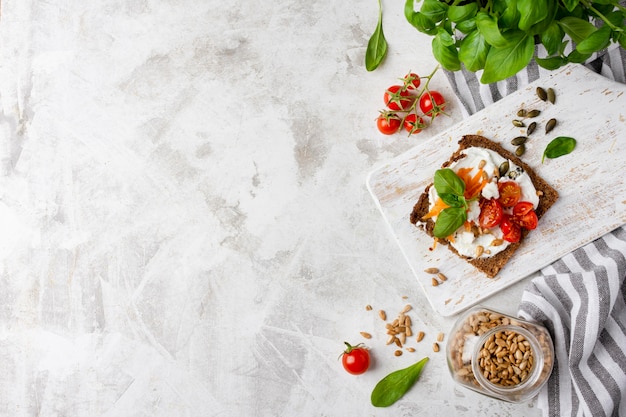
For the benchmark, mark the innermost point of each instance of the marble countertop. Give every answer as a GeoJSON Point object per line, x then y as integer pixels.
{"type": "Point", "coordinates": [185, 226]}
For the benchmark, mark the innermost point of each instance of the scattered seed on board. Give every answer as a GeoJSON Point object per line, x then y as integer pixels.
{"type": "Point", "coordinates": [406, 308]}
{"type": "Point", "coordinates": [435, 347]}
{"type": "Point", "coordinates": [541, 93]}
{"type": "Point", "coordinates": [410, 349]}
{"type": "Point", "coordinates": [397, 352]}
{"type": "Point", "coordinates": [420, 337]}
{"type": "Point", "coordinates": [519, 151]}
{"type": "Point", "coordinates": [368, 307]}
{"type": "Point", "coordinates": [434, 281]}
{"type": "Point", "coordinates": [550, 125]}
{"type": "Point", "coordinates": [517, 123]}
{"type": "Point", "coordinates": [431, 270]}
{"type": "Point", "coordinates": [382, 315]}
{"type": "Point", "coordinates": [520, 140]}
{"type": "Point", "coordinates": [366, 335]}
{"type": "Point", "coordinates": [551, 95]}
{"type": "Point", "coordinates": [440, 337]}
{"type": "Point", "coordinates": [531, 128]}
{"type": "Point", "coordinates": [534, 113]}
{"type": "Point", "coordinates": [521, 113]}
{"type": "Point", "coordinates": [442, 276]}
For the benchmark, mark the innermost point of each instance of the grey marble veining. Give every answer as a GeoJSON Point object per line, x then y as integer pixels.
{"type": "Point", "coordinates": [184, 224]}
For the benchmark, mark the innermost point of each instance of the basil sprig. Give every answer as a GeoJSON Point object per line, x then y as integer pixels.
{"type": "Point", "coordinates": [392, 387]}
{"type": "Point", "coordinates": [450, 189]}
{"type": "Point", "coordinates": [377, 45]}
{"type": "Point", "coordinates": [499, 36]}
{"type": "Point", "coordinates": [559, 146]}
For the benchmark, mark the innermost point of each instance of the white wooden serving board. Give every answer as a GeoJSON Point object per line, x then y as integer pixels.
{"type": "Point", "coordinates": [591, 182]}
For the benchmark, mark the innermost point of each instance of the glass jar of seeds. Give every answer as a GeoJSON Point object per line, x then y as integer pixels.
{"type": "Point", "coordinates": [498, 355]}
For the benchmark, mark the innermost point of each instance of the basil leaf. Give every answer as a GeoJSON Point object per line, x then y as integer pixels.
{"type": "Point", "coordinates": [488, 26]}
{"type": "Point", "coordinates": [447, 182]}
{"type": "Point", "coordinates": [552, 37]}
{"type": "Point", "coordinates": [473, 51]}
{"type": "Point", "coordinates": [434, 10]}
{"type": "Point", "coordinates": [466, 26]}
{"type": "Point", "coordinates": [418, 20]}
{"type": "Point", "coordinates": [453, 200]}
{"type": "Point", "coordinates": [531, 12]}
{"type": "Point", "coordinates": [577, 29]}
{"type": "Point", "coordinates": [392, 387]}
{"type": "Point", "coordinates": [570, 5]}
{"type": "Point", "coordinates": [377, 45]}
{"type": "Point", "coordinates": [448, 221]}
{"type": "Point", "coordinates": [551, 63]}
{"type": "Point", "coordinates": [502, 63]}
{"type": "Point", "coordinates": [559, 146]}
{"type": "Point", "coordinates": [599, 39]}
{"type": "Point", "coordinates": [448, 56]}
{"type": "Point", "coordinates": [445, 37]}
{"type": "Point", "coordinates": [577, 57]}
{"type": "Point", "coordinates": [460, 13]}
{"type": "Point", "coordinates": [510, 16]}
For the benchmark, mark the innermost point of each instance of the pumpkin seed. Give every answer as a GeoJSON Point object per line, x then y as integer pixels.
{"type": "Point", "coordinates": [551, 95]}
{"type": "Point", "coordinates": [550, 125]}
{"type": "Point", "coordinates": [521, 113]}
{"type": "Point", "coordinates": [541, 93]}
{"type": "Point", "coordinates": [531, 128]}
{"type": "Point", "coordinates": [520, 150]}
{"type": "Point", "coordinates": [534, 113]}
{"type": "Point", "coordinates": [503, 168]}
{"type": "Point", "coordinates": [520, 140]}
{"type": "Point", "coordinates": [518, 123]}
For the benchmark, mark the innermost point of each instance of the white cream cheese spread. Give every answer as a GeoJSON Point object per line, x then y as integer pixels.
{"type": "Point", "coordinates": [466, 242]}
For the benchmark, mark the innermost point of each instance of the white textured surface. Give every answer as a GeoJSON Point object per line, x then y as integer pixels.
{"type": "Point", "coordinates": [185, 227]}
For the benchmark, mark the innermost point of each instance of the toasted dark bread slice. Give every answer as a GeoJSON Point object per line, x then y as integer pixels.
{"type": "Point", "coordinates": [492, 265]}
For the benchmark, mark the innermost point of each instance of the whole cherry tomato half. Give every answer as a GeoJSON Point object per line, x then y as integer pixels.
{"type": "Point", "coordinates": [432, 103]}
{"type": "Point", "coordinates": [388, 123]}
{"type": "Point", "coordinates": [490, 213]}
{"type": "Point", "coordinates": [411, 81]}
{"type": "Point", "coordinates": [355, 359]}
{"type": "Point", "coordinates": [397, 98]}
{"type": "Point", "coordinates": [413, 123]}
{"type": "Point", "coordinates": [510, 193]}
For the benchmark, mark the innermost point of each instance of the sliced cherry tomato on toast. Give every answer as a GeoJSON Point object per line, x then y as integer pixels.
{"type": "Point", "coordinates": [511, 232]}
{"type": "Point", "coordinates": [490, 213]}
{"type": "Point", "coordinates": [510, 193]}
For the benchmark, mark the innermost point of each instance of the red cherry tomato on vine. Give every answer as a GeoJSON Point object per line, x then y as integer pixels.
{"type": "Point", "coordinates": [413, 123]}
{"type": "Point", "coordinates": [432, 103]}
{"type": "Point", "coordinates": [355, 359]}
{"type": "Point", "coordinates": [411, 81]}
{"type": "Point", "coordinates": [511, 232]}
{"type": "Point", "coordinates": [490, 213]}
{"type": "Point", "coordinates": [388, 123]}
{"type": "Point", "coordinates": [524, 215]}
{"type": "Point", "coordinates": [397, 98]}
{"type": "Point", "coordinates": [510, 193]}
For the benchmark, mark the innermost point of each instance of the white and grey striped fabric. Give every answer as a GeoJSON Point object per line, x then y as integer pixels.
{"type": "Point", "coordinates": [581, 298]}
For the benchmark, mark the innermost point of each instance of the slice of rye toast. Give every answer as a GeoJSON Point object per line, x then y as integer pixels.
{"type": "Point", "coordinates": [492, 265]}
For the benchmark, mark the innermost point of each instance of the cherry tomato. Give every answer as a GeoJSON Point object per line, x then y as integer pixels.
{"type": "Point", "coordinates": [432, 103]}
{"type": "Point", "coordinates": [388, 123]}
{"type": "Point", "coordinates": [490, 213]}
{"type": "Point", "coordinates": [355, 359]}
{"type": "Point", "coordinates": [411, 81]}
{"type": "Point", "coordinates": [510, 193]}
{"type": "Point", "coordinates": [524, 215]}
{"type": "Point", "coordinates": [511, 231]}
{"type": "Point", "coordinates": [413, 124]}
{"type": "Point", "coordinates": [397, 98]}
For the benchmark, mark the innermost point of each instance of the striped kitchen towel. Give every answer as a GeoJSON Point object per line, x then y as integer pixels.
{"type": "Point", "coordinates": [581, 298]}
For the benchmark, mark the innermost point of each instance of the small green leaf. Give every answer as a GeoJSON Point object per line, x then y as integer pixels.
{"type": "Point", "coordinates": [502, 63]}
{"type": "Point", "coordinates": [577, 57]}
{"type": "Point", "coordinates": [598, 40]}
{"type": "Point", "coordinates": [392, 387]}
{"type": "Point", "coordinates": [510, 16]}
{"type": "Point", "coordinates": [552, 37]}
{"type": "Point", "coordinates": [377, 45]}
{"type": "Point", "coordinates": [551, 63]}
{"type": "Point", "coordinates": [460, 13]}
{"type": "Point", "coordinates": [446, 38]}
{"type": "Point", "coordinates": [435, 10]}
{"type": "Point", "coordinates": [531, 12]}
{"type": "Point", "coordinates": [448, 56]}
{"type": "Point", "coordinates": [446, 181]}
{"type": "Point", "coordinates": [570, 5]}
{"type": "Point", "coordinates": [559, 146]}
{"type": "Point", "coordinates": [473, 51]}
{"type": "Point", "coordinates": [418, 20]}
{"type": "Point", "coordinates": [453, 200]}
{"type": "Point", "coordinates": [577, 29]}
{"type": "Point", "coordinates": [488, 27]}
{"type": "Point", "coordinates": [448, 221]}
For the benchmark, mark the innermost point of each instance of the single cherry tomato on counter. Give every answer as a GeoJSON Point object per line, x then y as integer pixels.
{"type": "Point", "coordinates": [432, 103]}
{"type": "Point", "coordinates": [524, 215]}
{"type": "Point", "coordinates": [355, 359]}
{"type": "Point", "coordinates": [397, 98]}
{"type": "Point", "coordinates": [411, 81]}
{"type": "Point", "coordinates": [490, 213]}
{"type": "Point", "coordinates": [511, 232]}
{"type": "Point", "coordinates": [413, 123]}
{"type": "Point", "coordinates": [510, 193]}
{"type": "Point", "coordinates": [388, 123]}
